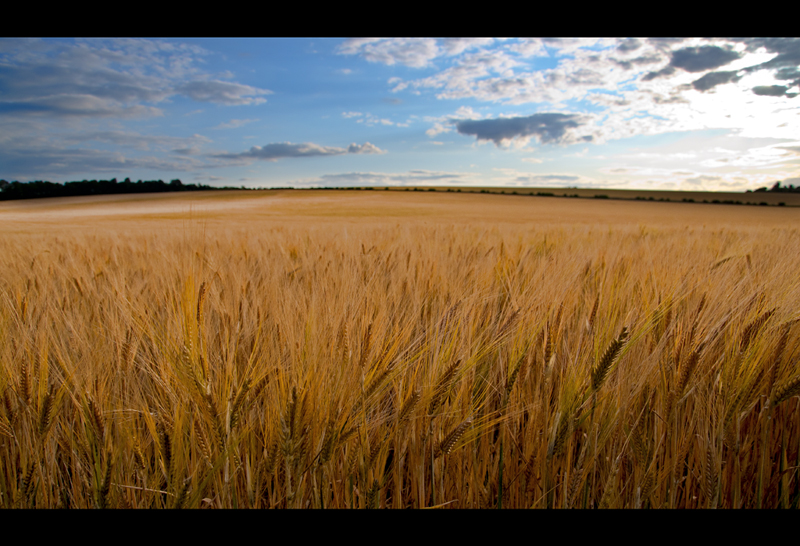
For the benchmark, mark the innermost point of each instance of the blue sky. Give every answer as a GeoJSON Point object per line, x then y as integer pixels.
{"type": "Point", "coordinates": [636, 113]}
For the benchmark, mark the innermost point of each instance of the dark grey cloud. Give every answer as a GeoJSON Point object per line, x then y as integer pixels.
{"type": "Point", "coordinates": [630, 44]}
{"type": "Point", "coordinates": [279, 150]}
{"type": "Point", "coordinates": [713, 79]}
{"type": "Point", "coordinates": [695, 59]}
{"type": "Point", "coordinates": [186, 151]}
{"type": "Point", "coordinates": [788, 50]}
{"type": "Point", "coordinates": [666, 71]}
{"type": "Point", "coordinates": [786, 64]}
{"type": "Point", "coordinates": [773, 91]}
{"type": "Point", "coordinates": [547, 127]}
{"type": "Point", "coordinates": [698, 59]}
{"type": "Point", "coordinates": [788, 73]}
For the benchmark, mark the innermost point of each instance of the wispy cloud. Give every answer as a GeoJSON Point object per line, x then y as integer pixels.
{"type": "Point", "coordinates": [223, 92]}
{"type": "Point", "coordinates": [235, 123]}
{"type": "Point", "coordinates": [410, 178]}
{"type": "Point", "coordinates": [275, 151]}
{"type": "Point", "coordinates": [102, 78]}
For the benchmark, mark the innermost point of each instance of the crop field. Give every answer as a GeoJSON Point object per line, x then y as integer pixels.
{"type": "Point", "coordinates": [393, 349]}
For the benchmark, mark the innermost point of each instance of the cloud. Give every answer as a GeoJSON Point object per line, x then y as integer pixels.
{"type": "Point", "coordinates": [703, 180]}
{"type": "Point", "coordinates": [547, 179]}
{"type": "Point", "coordinates": [438, 127]}
{"type": "Point", "coordinates": [713, 79]}
{"type": "Point", "coordinates": [105, 78]}
{"type": "Point", "coordinates": [66, 105]}
{"type": "Point", "coordinates": [787, 50]}
{"type": "Point", "coordinates": [456, 46]}
{"type": "Point", "coordinates": [550, 128]}
{"type": "Point", "coordinates": [235, 123]}
{"type": "Point", "coordinates": [503, 72]}
{"type": "Point", "coordinates": [413, 52]}
{"type": "Point", "coordinates": [698, 59]}
{"type": "Point", "coordinates": [792, 149]}
{"type": "Point", "coordinates": [222, 92]}
{"type": "Point", "coordinates": [530, 47]}
{"type": "Point", "coordinates": [194, 150]}
{"type": "Point", "coordinates": [368, 119]}
{"type": "Point", "coordinates": [57, 155]}
{"type": "Point", "coordinates": [275, 151]}
{"type": "Point", "coordinates": [365, 148]}
{"type": "Point", "coordinates": [631, 64]}
{"type": "Point", "coordinates": [773, 91]}
{"type": "Point", "coordinates": [57, 163]}
{"type": "Point", "coordinates": [409, 178]}
{"type": "Point", "coordinates": [631, 44]}
{"type": "Point", "coordinates": [785, 64]}
{"type": "Point", "coordinates": [695, 59]}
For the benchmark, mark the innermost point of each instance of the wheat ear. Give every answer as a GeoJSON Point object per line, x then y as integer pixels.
{"type": "Point", "coordinates": [787, 389]}
{"type": "Point", "coordinates": [447, 444]}
{"type": "Point", "coordinates": [600, 371]}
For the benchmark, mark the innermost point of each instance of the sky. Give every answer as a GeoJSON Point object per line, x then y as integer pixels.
{"type": "Point", "coordinates": [689, 114]}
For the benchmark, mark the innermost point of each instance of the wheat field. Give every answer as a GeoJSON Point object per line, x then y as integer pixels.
{"type": "Point", "coordinates": [393, 350]}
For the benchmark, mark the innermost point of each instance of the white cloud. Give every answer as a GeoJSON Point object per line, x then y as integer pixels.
{"type": "Point", "coordinates": [366, 148]}
{"type": "Point", "coordinates": [413, 52]}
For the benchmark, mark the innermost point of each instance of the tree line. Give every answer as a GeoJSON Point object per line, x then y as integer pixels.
{"type": "Point", "coordinates": [39, 188]}
{"type": "Point", "coordinates": [779, 189]}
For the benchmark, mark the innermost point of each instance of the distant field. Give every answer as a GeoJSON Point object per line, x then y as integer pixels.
{"type": "Point", "coordinates": [738, 198]}
{"type": "Point", "coordinates": [232, 208]}
{"type": "Point", "coordinates": [395, 349]}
